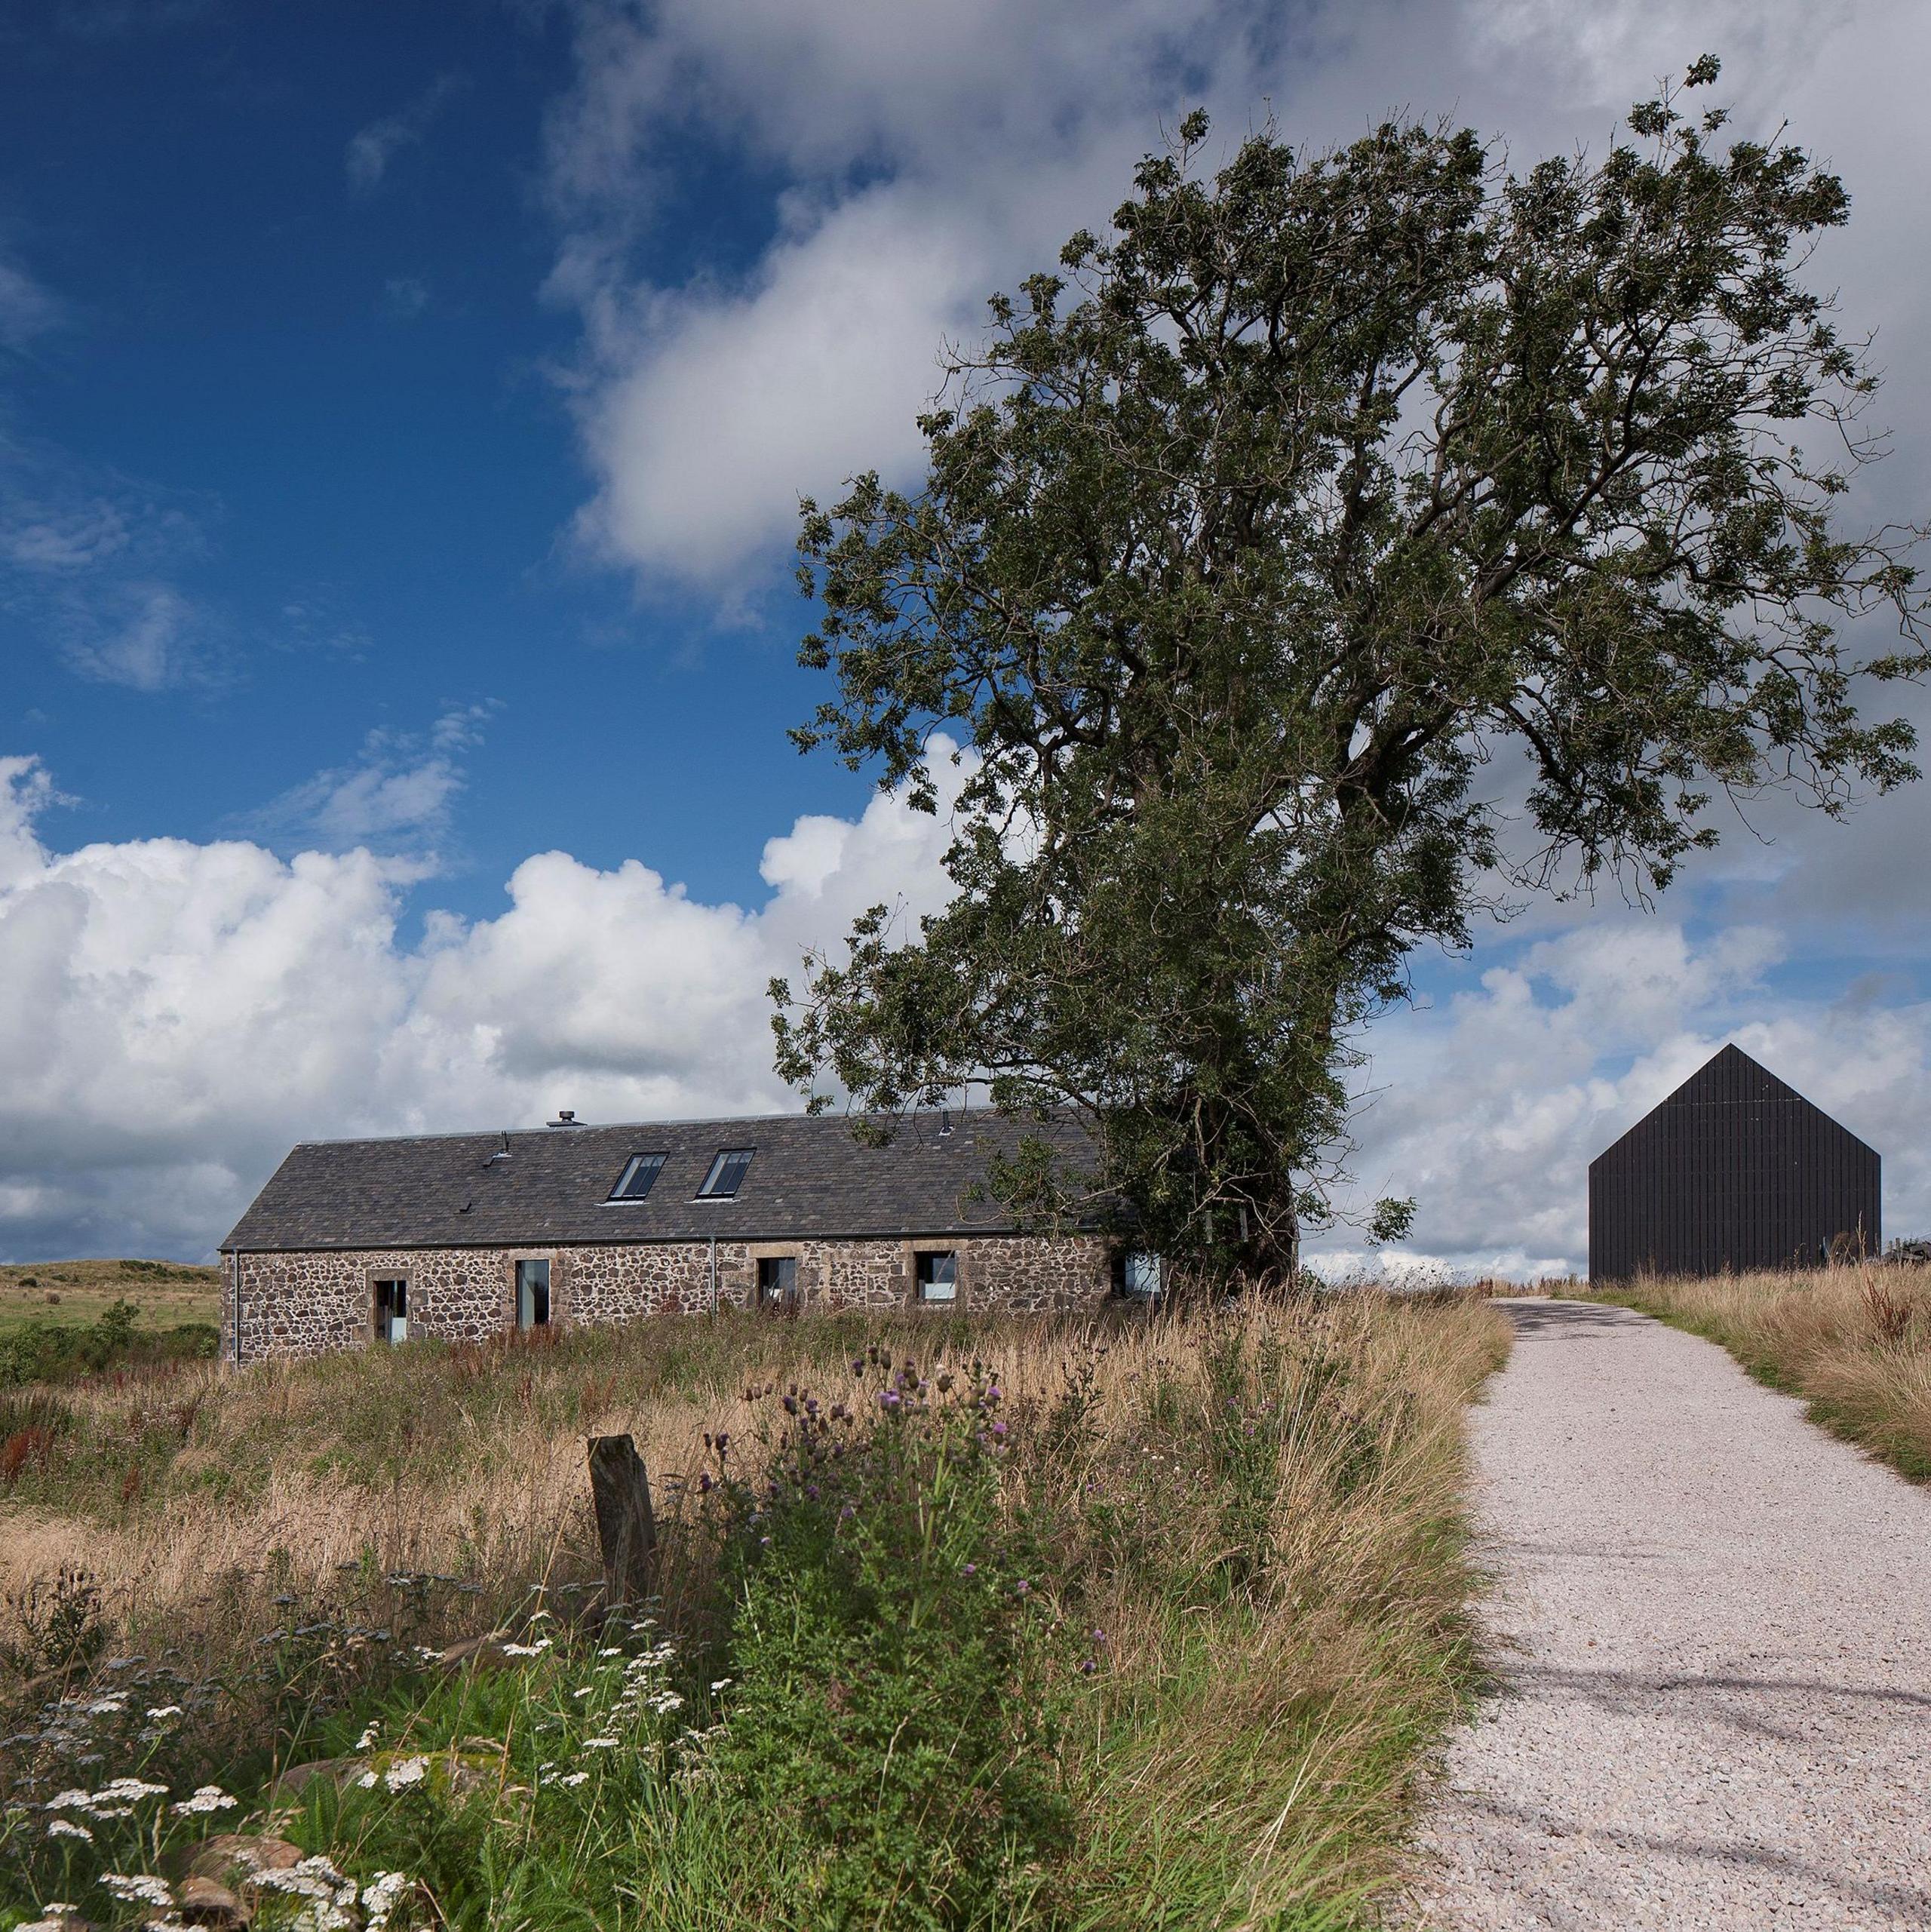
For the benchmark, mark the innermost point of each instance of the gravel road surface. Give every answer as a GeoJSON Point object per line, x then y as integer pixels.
{"type": "Point", "coordinates": [1714, 1623]}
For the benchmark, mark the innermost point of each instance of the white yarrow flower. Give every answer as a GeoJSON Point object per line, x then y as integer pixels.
{"type": "Point", "coordinates": [208, 1798]}
{"type": "Point", "coordinates": [65, 1828]}
{"type": "Point", "coordinates": [138, 1888]}
{"type": "Point", "coordinates": [405, 1772]}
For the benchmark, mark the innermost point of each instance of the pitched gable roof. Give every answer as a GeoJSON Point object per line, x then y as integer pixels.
{"type": "Point", "coordinates": [1729, 1078]}
{"type": "Point", "coordinates": [810, 1178]}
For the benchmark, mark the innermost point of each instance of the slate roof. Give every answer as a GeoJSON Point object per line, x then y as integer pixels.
{"type": "Point", "coordinates": [810, 1177]}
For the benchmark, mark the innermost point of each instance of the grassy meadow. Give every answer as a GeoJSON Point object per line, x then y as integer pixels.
{"type": "Point", "coordinates": [1124, 1622]}
{"type": "Point", "coordinates": [1853, 1341]}
{"type": "Point", "coordinates": [165, 1294]}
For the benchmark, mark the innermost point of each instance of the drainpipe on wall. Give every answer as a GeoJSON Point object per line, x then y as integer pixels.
{"type": "Point", "coordinates": [713, 1274]}
{"type": "Point", "coordinates": [237, 1307]}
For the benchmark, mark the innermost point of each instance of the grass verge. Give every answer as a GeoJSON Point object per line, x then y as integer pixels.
{"type": "Point", "coordinates": [1004, 1625]}
{"type": "Point", "coordinates": [1854, 1342]}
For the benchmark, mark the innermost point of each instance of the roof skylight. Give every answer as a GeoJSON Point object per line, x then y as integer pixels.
{"type": "Point", "coordinates": [727, 1174]}
{"type": "Point", "coordinates": [639, 1177]}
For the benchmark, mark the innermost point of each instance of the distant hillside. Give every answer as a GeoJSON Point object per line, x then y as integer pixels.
{"type": "Point", "coordinates": [167, 1293]}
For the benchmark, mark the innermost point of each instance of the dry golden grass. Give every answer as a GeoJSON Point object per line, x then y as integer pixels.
{"type": "Point", "coordinates": [1854, 1341]}
{"type": "Point", "coordinates": [1286, 1638]}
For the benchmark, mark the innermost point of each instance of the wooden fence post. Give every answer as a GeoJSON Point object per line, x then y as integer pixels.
{"type": "Point", "coordinates": [626, 1529]}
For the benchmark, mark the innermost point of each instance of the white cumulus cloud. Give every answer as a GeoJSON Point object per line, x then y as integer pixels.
{"type": "Point", "coordinates": [179, 1014]}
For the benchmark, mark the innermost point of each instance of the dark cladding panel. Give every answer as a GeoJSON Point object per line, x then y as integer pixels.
{"type": "Point", "coordinates": [1734, 1170]}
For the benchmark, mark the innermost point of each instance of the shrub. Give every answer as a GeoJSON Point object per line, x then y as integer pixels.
{"type": "Point", "coordinates": [885, 1711]}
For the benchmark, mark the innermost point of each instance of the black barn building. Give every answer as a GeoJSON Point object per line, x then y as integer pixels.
{"type": "Point", "coordinates": [1734, 1170]}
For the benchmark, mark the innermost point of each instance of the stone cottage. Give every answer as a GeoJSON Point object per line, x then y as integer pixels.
{"type": "Point", "coordinates": [468, 1235]}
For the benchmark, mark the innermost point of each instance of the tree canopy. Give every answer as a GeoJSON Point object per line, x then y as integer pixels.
{"type": "Point", "coordinates": [1344, 542]}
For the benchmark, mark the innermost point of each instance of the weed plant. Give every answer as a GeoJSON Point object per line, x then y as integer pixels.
{"type": "Point", "coordinates": [1132, 1623]}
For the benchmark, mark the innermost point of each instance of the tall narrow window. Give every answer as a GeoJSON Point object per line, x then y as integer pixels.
{"type": "Point", "coordinates": [939, 1277]}
{"type": "Point", "coordinates": [391, 1309]}
{"type": "Point", "coordinates": [778, 1281]}
{"type": "Point", "coordinates": [727, 1174]}
{"type": "Point", "coordinates": [533, 1294]}
{"type": "Point", "coordinates": [639, 1177]}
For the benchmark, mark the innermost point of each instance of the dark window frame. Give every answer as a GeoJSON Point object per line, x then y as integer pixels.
{"type": "Point", "coordinates": [785, 1294]}
{"type": "Point", "coordinates": [924, 1263]}
{"type": "Point", "coordinates": [722, 1163]}
{"type": "Point", "coordinates": [549, 1305]}
{"type": "Point", "coordinates": [623, 1192]}
{"type": "Point", "coordinates": [381, 1331]}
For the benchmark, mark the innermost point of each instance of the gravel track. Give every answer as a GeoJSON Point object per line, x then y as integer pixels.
{"type": "Point", "coordinates": [1715, 1624]}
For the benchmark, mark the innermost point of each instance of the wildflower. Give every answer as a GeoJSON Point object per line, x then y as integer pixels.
{"type": "Point", "coordinates": [207, 1797]}
{"type": "Point", "coordinates": [380, 1898]}
{"type": "Point", "coordinates": [66, 1800]}
{"type": "Point", "coordinates": [719, 1683]}
{"type": "Point", "coordinates": [65, 1828]}
{"type": "Point", "coordinates": [600, 1743]}
{"type": "Point", "coordinates": [998, 1429]}
{"type": "Point", "coordinates": [404, 1772]}
{"type": "Point", "coordinates": [612, 1651]}
{"type": "Point", "coordinates": [573, 1779]}
{"type": "Point", "coordinates": [159, 1711]}
{"type": "Point", "coordinates": [138, 1888]}
{"type": "Point", "coordinates": [57, 1915]}
{"type": "Point", "coordinates": [368, 1737]}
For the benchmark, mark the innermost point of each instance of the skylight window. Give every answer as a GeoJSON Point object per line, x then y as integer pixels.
{"type": "Point", "coordinates": [639, 1177]}
{"type": "Point", "coordinates": [727, 1174]}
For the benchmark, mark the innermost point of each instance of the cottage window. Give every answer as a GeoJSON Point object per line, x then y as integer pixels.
{"type": "Point", "coordinates": [533, 1294]}
{"type": "Point", "coordinates": [778, 1281]}
{"type": "Point", "coordinates": [727, 1174]}
{"type": "Point", "coordinates": [391, 1309]}
{"type": "Point", "coordinates": [639, 1177]}
{"type": "Point", "coordinates": [1137, 1273]}
{"type": "Point", "coordinates": [938, 1276]}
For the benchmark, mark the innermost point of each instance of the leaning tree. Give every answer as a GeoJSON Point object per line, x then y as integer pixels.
{"type": "Point", "coordinates": [1344, 541]}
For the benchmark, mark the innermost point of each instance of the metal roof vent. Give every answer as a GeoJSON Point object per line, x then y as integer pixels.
{"type": "Point", "coordinates": [566, 1117]}
{"type": "Point", "coordinates": [502, 1153]}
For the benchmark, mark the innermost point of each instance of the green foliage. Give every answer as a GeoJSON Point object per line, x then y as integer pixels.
{"type": "Point", "coordinates": [884, 1708]}
{"type": "Point", "coordinates": [1251, 539]}
{"type": "Point", "coordinates": [57, 1352]}
{"type": "Point", "coordinates": [1150, 1629]}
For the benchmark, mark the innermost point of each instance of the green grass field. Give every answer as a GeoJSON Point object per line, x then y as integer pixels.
{"type": "Point", "coordinates": [75, 1293]}
{"type": "Point", "coordinates": [975, 1625]}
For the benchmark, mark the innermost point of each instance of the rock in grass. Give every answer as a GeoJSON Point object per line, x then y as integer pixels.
{"type": "Point", "coordinates": [483, 1653]}
{"type": "Point", "coordinates": [233, 1858]}
{"type": "Point", "coordinates": [339, 1772]}
{"type": "Point", "coordinates": [207, 1902]}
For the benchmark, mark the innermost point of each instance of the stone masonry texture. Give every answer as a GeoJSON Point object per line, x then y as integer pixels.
{"type": "Point", "coordinates": [309, 1302]}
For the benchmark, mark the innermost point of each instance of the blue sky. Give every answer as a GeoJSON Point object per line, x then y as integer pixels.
{"type": "Point", "coordinates": [303, 352]}
{"type": "Point", "coordinates": [402, 412]}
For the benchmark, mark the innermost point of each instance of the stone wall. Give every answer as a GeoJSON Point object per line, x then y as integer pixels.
{"type": "Point", "coordinates": [307, 1303]}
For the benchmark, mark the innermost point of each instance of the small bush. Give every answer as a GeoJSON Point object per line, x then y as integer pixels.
{"type": "Point", "coordinates": [886, 1708]}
